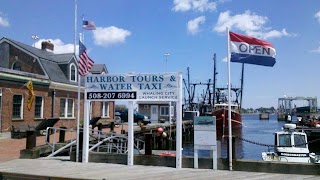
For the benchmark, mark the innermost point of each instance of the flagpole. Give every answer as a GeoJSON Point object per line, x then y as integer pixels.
{"type": "Point", "coordinates": [79, 79]}
{"type": "Point", "coordinates": [229, 104]}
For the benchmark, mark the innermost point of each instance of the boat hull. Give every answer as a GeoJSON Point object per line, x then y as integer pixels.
{"type": "Point", "coordinates": [222, 118]}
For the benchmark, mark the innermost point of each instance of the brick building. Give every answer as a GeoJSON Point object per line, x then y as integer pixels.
{"type": "Point", "coordinates": [55, 86]}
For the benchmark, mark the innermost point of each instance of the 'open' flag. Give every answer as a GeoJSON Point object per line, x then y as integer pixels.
{"type": "Point", "coordinates": [250, 50]}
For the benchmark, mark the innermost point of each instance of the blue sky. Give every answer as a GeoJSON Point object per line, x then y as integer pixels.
{"type": "Point", "coordinates": [133, 36]}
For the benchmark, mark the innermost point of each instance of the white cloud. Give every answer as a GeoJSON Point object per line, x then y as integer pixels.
{"type": "Point", "coordinates": [110, 35]}
{"type": "Point", "coordinates": [195, 5]}
{"type": "Point", "coordinates": [193, 25]}
{"type": "Point", "coordinates": [317, 50]}
{"type": "Point", "coordinates": [59, 46]}
{"type": "Point", "coordinates": [250, 23]}
{"type": "Point", "coordinates": [317, 16]}
{"type": "Point", "coordinates": [4, 22]}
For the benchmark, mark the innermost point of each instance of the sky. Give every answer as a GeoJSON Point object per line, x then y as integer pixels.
{"type": "Point", "coordinates": [134, 36]}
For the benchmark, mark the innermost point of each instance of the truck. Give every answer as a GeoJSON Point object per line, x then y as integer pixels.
{"type": "Point", "coordinates": [138, 117]}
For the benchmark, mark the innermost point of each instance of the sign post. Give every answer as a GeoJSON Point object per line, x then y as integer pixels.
{"type": "Point", "coordinates": [165, 87]}
{"type": "Point", "coordinates": [205, 138]}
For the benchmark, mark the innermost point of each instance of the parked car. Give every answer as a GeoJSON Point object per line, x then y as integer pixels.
{"type": "Point", "coordinates": [138, 117]}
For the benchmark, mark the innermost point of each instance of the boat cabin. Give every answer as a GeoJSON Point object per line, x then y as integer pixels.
{"type": "Point", "coordinates": [291, 145]}
{"type": "Point", "coordinates": [234, 107]}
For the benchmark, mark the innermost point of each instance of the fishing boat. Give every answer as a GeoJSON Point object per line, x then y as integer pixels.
{"type": "Point", "coordinates": [291, 146]}
{"type": "Point", "coordinates": [221, 113]}
{"type": "Point", "coordinates": [214, 100]}
{"type": "Point", "coordinates": [220, 108]}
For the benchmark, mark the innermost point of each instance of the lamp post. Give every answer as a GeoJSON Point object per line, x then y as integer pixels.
{"type": "Point", "coordinates": [34, 37]}
{"type": "Point", "coordinates": [166, 55]}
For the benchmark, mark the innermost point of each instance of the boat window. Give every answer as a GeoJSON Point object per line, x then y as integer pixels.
{"type": "Point", "coordinates": [300, 141]}
{"type": "Point", "coordinates": [284, 140]}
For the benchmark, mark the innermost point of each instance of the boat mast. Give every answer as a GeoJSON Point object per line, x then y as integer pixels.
{"type": "Point", "coordinates": [214, 80]}
{"type": "Point", "coordinates": [189, 98]}
{"type": "Point", "coordinates": [241, 90]}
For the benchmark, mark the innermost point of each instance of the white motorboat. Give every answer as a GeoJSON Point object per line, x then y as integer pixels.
{"type": "Point", "coordinates": [291, 146]}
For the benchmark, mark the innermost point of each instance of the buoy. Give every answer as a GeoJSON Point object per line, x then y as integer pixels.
{"type": "Point", "coordinates": [164, 134]}
{"type": "Point", "coordinates": [167, 153]}
{"type": "Point", "coordinates": [160, 130]}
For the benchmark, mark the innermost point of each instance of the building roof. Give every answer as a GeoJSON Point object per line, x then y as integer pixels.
{"type": "Point", "coordinates": [98, 69]}
{"type": "Point", "coordinates": [48, 60]}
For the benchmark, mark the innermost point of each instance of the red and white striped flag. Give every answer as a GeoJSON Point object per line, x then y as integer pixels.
{"type": "Point", "coordinates": [85, 62]}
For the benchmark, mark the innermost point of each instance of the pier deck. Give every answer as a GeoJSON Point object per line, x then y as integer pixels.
{"type": "Point", "coordinates": [59, 169]}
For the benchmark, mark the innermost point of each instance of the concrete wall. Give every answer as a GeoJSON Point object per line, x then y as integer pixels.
{"type": "Point", "coordinates": [206, 163]}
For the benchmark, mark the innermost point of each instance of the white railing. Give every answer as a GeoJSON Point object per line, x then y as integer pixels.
{"type": "Point", "coordinates": [54, 142]}
{"type": "Point", "coordinates": [108, 142]}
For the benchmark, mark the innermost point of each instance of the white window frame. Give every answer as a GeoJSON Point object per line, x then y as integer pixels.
{"type": "Point", "coordinates": [21, 107]}
{"type": "Point", "coordinates": [75, 72]}
{"type": "Point", "coordinates": [162, 107]}
{"type": "Point", "coordinates": [41, 109]}
{"type": "Point", "coordinates": [66, 108]}
{"type": "Point", "coordinates": [103, 109]}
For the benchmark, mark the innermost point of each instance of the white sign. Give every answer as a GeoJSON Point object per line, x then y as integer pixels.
{"type": "Point", "coordinates": [205, 135]}
{"type": "Point", "coordinates": [205, 138]}
{"type": "Point", "coordinates": [139, 87]}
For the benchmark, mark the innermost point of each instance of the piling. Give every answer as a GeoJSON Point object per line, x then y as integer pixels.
{"type": "Point", "coordinates": [31, 140]}
{"type": "Point", "coordinates": [148, 143]}
{"type": "Point", "coordinates": [62, 134]}
{"type": "Point", "coordinates": [112, 127]}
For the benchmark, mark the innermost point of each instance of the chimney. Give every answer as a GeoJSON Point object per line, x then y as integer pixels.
{"type": "Point", "coordinates": [47, 45]}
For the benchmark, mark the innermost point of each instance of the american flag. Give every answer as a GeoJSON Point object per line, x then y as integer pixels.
{"type": "Point", "coordinates": [85, 62]}
{"type": "Point", "coordinates": [88, 25]}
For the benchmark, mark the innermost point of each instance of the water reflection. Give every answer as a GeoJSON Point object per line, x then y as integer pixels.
{"type": "Point", "coordinates": [253, 129]}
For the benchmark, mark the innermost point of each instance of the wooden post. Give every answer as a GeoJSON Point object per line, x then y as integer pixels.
{"type": "Point", "coordinates": [62, 134]}
{"type": "Point", "coordinates": [159, 139]}
{"type": "Point", "coordinates": [80, 144]}
{"type": "Point", "coordinates": [31, 139]}
{"type": "Point", "coordinates": [148, 143]}
{"type": "Point", "coordinates": [112, 127]}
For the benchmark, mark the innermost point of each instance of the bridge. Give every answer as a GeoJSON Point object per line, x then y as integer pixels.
{"type": "Point", "coordinates": [285, 106]}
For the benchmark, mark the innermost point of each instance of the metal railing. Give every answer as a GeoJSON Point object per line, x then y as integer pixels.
{"type": "Point", "coordinates": [100, 141]}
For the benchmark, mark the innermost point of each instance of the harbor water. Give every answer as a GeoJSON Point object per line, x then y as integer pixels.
{"type": "Point", "coordinates": [254, 136]}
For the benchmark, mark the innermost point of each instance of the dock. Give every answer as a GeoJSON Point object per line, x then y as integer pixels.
{"type": "Point", "coordinates": [54, 169]}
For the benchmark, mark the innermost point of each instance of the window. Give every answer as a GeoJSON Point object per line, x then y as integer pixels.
{"type": "Point", "coordinates": [17, 107]}
{"type": "Point", "coordinates": [38, 107]}
{"type": "Point", "coordinates": [73, 73]}
{"type": "Point", "coordinates": [300, 141]}
{"type": "Point", "coordinates": [16, 66]}
{"type": "Point", "coordinates": [285, 140]}
{"type": "Point", "coordinates": [66, 107]}
{"type": "Point", "coordinates": [105, 109]}
{"type": "Point", "coordinates": [164, 110]}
